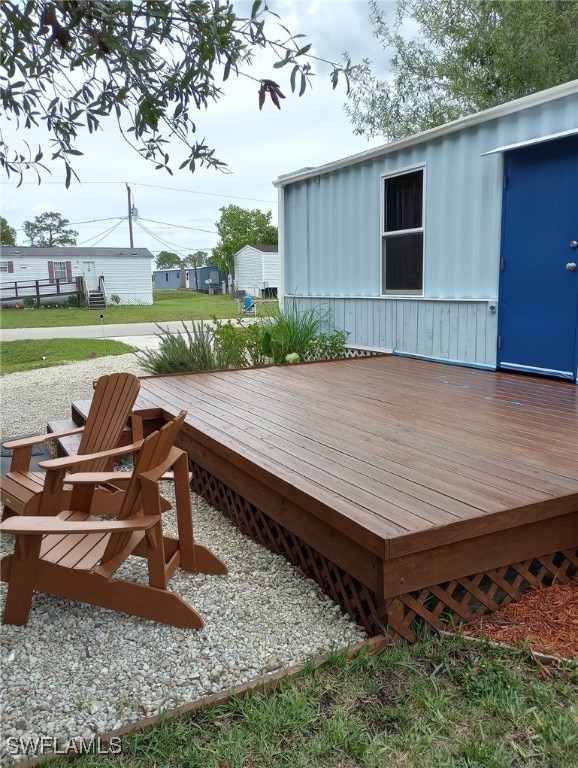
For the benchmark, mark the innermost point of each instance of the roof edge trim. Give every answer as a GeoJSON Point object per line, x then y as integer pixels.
{"type": "Point", "coordinates": [530, 142]}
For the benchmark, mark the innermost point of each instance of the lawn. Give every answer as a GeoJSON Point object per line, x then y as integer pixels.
{"type": "Point", "coordinates": [168, 305]}
{"type": "Point", "coordinates": [439, 703]}
{"type": "Point", "coordinates": [29, 354]}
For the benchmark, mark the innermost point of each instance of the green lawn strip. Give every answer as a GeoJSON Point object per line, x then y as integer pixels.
{"type": "Point", "coordinates": [441, 702]}
{"type": "Point", "coordinates": [168, 305]}
{"type": "Point", "coordinates": [30, 354]}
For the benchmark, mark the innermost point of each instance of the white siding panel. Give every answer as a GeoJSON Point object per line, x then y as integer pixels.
{"type": "Point", "coordinates": [271, 269]}
{"type": "Point", "coordinates": [249, 271]}
{"type": "Point", "coordinates": [129, 278]}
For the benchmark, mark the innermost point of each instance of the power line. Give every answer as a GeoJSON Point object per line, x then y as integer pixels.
{"type": "Point", "coordinates": [208, 194]}
{"type": "Point", "coordinates": [166, 243]}
{"type": "Point", "coordinates": [92, 221]}
{"type": "Point", "coordinates": [101, 235]}
{"type": "Point", "coordinates": [180, 226]}
{"type": "Point", "coordinates": [152, 186]}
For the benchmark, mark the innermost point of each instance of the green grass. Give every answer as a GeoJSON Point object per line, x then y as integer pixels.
{"type": "Point", "coordinates": [168, 305]}
{"type": "Point", "coordinates": [440, 703]}
{"type": "Point", "coordinates": [45, 353]}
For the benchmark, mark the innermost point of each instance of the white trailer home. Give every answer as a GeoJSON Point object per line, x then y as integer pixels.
{"type": "Point", "coordinates": [459, 244]}
{"type": "Point", "coordinates": [257, 270]}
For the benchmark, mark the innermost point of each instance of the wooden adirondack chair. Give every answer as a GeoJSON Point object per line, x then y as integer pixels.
{"type": "Point", "coordinates": [21, 490]}
{"type": "Point", "coordinates": [75, 555]}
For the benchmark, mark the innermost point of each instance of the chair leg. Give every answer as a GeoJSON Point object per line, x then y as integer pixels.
{"type": "Point", "coordinates": [184, 513]}
{"type": "Point", "coordinates": [155, 555]}
{"type": "Point", "coordinates": [23, 567]}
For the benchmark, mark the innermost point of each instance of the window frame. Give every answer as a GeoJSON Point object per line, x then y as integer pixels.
{"type": "Point", "coordinates": [56, 265]}
{"type": "Point", "coordinates": [412, 293]}
{"type": "Point", "coordinates": [4, 268]}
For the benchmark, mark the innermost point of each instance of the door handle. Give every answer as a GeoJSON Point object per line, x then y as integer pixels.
{"type": "Point", "coordinates": [571, 266]}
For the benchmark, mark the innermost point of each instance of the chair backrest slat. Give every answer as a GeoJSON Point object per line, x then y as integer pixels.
{"type": "Point", "coordinates": [112, 403]}
{"type": "Point", "coordinates": [151, 459]}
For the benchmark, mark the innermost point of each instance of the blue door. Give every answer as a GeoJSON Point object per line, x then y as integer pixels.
{"type": "Point", "coordinates": [538, 322]}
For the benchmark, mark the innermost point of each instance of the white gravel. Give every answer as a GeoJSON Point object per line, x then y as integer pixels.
{"type": "Point", "coordinates": [76, 671]}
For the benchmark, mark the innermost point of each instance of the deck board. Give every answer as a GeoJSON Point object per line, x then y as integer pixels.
{"type": "Point", "coordinates": [405, 451]}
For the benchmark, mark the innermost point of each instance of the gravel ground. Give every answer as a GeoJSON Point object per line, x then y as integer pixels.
{"type": "Point", "coordinates": [76, 670]}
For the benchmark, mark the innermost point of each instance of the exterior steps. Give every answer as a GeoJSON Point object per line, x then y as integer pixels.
{"type": "Point", "coordinates": [96, 300]}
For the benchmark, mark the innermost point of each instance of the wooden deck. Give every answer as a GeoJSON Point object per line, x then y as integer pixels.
{"type": "Point", "coordinates": [406, 488]}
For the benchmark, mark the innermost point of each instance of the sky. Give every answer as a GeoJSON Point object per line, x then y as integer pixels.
{"type": "Point", "coordinates": [178, 213]}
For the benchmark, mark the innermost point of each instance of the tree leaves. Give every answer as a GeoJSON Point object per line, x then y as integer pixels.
{"type": "Point", "coordinates": [237, 228]}
{"type": "Point", "coordinates": [465, 57]}
{"type": "Point", "coordinates": [71, 64]}
{"type": "Point", "coordinates": [49, 230]}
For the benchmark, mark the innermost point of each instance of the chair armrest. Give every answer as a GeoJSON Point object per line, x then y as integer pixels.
{"type": "Point", "coordinates": [35, 526]}
{"type": "Point", "coordinates": [24, 442]}
{"type": "Point", "coordinates": [97, 478]}
{"type": "Point", "coordinates": [71, 461]}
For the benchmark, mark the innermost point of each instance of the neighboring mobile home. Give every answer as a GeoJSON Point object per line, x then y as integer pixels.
{"type": "Point", "coordinates": [208, 279]}
{"type": "Point", "coordinates": [122, 272]}
{"type": "Point", "coordinates": [257, 270]}
{"type": "Point", "coordinates": [458, 244]}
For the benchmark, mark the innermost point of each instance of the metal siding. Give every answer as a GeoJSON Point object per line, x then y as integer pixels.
{"type": "Point", "coordinates": [332, 243]}
{"type": "Point", "coordinates": [249, 271]}
{"type": "Point", "coordinates": [271, 269]}
{"type": "Point", "coordinates": [161, 283]}
{"type": "Point", "coordinates": [455, 331]}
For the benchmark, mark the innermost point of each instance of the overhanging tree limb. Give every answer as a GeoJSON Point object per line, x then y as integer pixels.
{"type": "Point", "coordinates": [151, 64]}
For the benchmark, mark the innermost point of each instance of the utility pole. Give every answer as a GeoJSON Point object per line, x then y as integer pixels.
{"type": "Point", "coordinates": [130, 216]}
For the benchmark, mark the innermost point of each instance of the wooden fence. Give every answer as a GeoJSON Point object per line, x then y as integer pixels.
{"type": "Point", "coordinates": [37, 292]}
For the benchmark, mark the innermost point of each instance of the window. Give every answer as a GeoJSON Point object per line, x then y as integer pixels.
{"type": "Point", "coordinates": [3, 266]}
{"type": "Point", "coordinates": [60, 270]}
{"type": "Point", "coordinates": [402, 236]}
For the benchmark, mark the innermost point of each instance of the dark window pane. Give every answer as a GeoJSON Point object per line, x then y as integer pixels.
{"type": "Point", "coordinates": [403, 269]}
{"type": "Point", "coordinates": [404, 201]}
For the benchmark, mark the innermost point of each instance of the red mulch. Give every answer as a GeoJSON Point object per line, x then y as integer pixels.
{"type": "Point", "coordinates": [546, 618]}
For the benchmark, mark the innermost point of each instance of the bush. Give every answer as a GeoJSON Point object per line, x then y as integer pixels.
{"type": "Point", "coordinates": [188, 351]}
{"type": "Point", "coordinates": [114, 299]}
{"type": "Point", "coordinates": [290, 332]}
{"type": "Point", "coordinates": [240, 344]}
{"type": "Point", "coordinates": [29, 302]}
{"type": "Point", "coordinates": [73, 301]}
{"type": "Point", "coordinates": [282, 337]}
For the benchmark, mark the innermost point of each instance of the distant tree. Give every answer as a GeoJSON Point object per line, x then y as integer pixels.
{"type": "Point", "coordinates": [7, 233]}
{"type": "Point", "coordinates": [148, 64]}
{"type": "Point", "coordinates": [49, 230]}
{"type": "Point", "coordinates": [465, 56]}
{"type": "Point", "coordinates": [196, 260]}
{"type": "Point", "coordinates": [237, 228]}
{"type": "Point", "coordinates": [168, 260]}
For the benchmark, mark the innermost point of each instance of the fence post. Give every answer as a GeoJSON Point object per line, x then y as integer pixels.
{"type": "Point", "coordinates": [37, 283]}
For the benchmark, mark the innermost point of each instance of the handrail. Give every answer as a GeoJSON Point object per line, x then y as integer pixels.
{"type": "Point", "coordinates": [102, 289]}
{"type": "Point", "coordinates": [85, 293]}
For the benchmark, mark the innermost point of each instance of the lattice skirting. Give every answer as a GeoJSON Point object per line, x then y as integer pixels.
{"type": "Point", "coordinates": [438, 606]}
